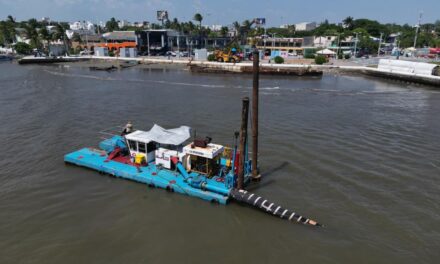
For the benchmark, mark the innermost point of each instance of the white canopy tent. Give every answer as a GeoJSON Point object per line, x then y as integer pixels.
{"type": "Point", "coordinates": [175, 136]}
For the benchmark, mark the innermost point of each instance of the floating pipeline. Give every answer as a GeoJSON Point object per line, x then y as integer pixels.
{"type": "Point", "coordinates": [263, 204]}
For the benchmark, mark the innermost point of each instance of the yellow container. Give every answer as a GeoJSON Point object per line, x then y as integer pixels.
{"type": "Point", "coordinates": [139, 158]}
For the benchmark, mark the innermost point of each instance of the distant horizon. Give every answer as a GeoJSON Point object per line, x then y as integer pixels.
{"type": "Point", "coordinates": [277, 12]}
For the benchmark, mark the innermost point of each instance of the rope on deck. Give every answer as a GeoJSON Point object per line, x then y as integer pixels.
{"type": "Point", "coordinates": [269, 207]}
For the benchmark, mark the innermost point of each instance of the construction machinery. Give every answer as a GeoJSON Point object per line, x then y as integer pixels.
{"type": "Point", "coordinates": [227, 56]}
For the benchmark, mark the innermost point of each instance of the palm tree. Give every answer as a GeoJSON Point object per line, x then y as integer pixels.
{"type": "Point", "coordinates": [237, 27]}
{"type": "Point", "coordinates": [45, 35]}
{"type": "Point", "coordinates": [348, 22]}
{"type": "Point", "coordinates": [198, 17]}
{"type": "Point", "coordinates": [224, 31]}
{"type": "Point", "coordinates": [10, 19]}
{"type": "Point", "coordinates": [32, 34]}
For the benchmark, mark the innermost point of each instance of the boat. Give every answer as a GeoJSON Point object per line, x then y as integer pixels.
{"type": "Point", "coordinates": [46, 59]}
{"type": "Point", "coordinates": [165, 158]}
{"type": "Point", "coordinates": [5, 57]}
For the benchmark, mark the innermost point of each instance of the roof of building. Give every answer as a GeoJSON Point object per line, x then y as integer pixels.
{"type": "Point", "coordinates": [120, 35]}
{"type": "Point", "coordinates": [91, 38]}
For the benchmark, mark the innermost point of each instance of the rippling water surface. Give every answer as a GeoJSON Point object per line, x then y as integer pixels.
{"type": "Point", "coordinates": [360, 155]}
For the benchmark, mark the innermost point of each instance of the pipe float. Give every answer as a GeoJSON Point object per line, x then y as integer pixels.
{"type": "Point", "coordinates": [269, 207]}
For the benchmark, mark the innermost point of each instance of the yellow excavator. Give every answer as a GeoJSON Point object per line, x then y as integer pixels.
{"type": "Point", "coordinates": [229, 56]}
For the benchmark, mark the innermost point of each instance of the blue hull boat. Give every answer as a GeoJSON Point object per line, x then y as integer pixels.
{"type": "Point", "coordinates": [160, 159]}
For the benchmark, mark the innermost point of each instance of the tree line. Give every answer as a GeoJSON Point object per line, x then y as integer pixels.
{"type": "Point", "coordinates": [428, 35]}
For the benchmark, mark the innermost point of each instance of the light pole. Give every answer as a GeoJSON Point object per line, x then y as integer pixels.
{"type": "Point", "coordinates": [355, 44]}
{"type": "Point", "coordinates": [273, 40]}
{"type": "Point", "coordinates": [148, 43]}
{"type": "Point", "coordinates": [265, 37]}
{"type": "Point", "coordinates": [339, 43]}
{"type": "Point", "coordinates": [380, 43]}
{"type": "Point", "coordinates": [417, 29]}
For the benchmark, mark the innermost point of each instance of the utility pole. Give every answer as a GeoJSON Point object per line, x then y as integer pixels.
{"type": "Point", "coordinates": [243, 142]}
{"type": "Point", "coordinates": [418, 28]}
{"type": "Point", "coordinates": [380, 43]}
{"type": "Point", "coordinates": [255, 88]}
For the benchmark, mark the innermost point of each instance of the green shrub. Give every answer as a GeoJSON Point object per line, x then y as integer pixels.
{"type": "Point", "coordinates": [320, 60]}
{"type": "Point", "coordinates": [23, 48]}
{"type": "Point", "coordinates": [347, 56]}
{"type": "Point", "coordinates": [278, 60]}
{"type": "Point", "coordinates": [309, 56]}
{"type": "Point", "coordinates": [211, 57]}
{"type": "Point", "coordinates": [340, 56]}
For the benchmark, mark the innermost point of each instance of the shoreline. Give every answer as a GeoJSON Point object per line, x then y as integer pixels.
{"type": "Point", "coordinates": [111, 63]}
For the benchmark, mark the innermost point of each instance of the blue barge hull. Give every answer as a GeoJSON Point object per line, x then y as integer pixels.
{"type": "Point", "coordinates": [152, 175]}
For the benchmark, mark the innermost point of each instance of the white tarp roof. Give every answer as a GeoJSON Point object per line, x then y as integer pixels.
{"type": "Point", "coordinates": [175, 136]}
{"type": "Point", "coordinates": [326, 52]}
{"type": "Point", "coordinates": [403, 66]}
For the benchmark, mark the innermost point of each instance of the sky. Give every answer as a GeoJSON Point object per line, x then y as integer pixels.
{"type": "Point", "coordinates": [224, 12]}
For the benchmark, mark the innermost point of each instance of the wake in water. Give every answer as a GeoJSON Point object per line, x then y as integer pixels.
{"type": "Point", "coordinates": [155, 81]}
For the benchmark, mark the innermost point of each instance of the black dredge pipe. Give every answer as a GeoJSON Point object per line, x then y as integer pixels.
{"type": "Point", "coordinates": [263, 204]}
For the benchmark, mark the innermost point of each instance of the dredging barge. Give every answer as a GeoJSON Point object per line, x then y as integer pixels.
{"type": "Point", "coordinates": [164, 158]}
{"type": "Point", "coordinates": [159, 158]}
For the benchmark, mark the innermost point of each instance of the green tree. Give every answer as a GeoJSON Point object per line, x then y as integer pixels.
{"type": "Point", "coordinates": [112, 25]}
{"type": "Point", "coordinates": [22, 48]}
{"type": "Point", "coordinates": [320, 60]}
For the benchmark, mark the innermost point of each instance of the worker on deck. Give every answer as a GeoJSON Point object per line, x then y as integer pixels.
{"type": "Point", "coordinates": [127, 129]}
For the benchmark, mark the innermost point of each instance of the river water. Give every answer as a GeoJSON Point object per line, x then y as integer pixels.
{"type": "Point", "coordinates": [360, 155]}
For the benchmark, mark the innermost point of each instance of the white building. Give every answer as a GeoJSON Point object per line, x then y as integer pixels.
{"type": "Point", "coordinates": [123, 23]}
{"type": "Point", "coordinates": [324, 42]}
{"type": "Point", "coordinates": [305, 26]}
{"type": "Point", "coordinates": [84, 25]}
{"type": "Point", "coordinates": [285, 26]}
{"type": "Point", "coordinates": [81, 28]}
{"type": "Point", "coordinates": [215, 27]}
{"type": "Point", "coordinates": [45, 19]}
